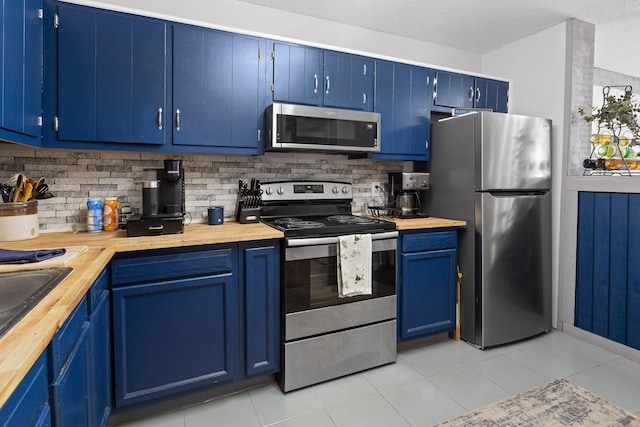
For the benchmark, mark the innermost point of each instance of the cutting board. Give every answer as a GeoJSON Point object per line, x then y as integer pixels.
{"type": "Point", "coordinates": [61, 261]}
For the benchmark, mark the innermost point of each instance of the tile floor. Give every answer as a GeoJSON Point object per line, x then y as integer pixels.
{"type": "Point", "coordinates": [429, 384]}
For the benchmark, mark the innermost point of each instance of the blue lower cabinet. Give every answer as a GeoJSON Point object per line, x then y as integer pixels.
{"type": "Point", "coordinates": [261, 275]}
{"type": "Point", "coordinates": [69, 390]}
{"type": "Point", "coordinates": [28, 405]}
{"type": "Point", "coordinates": [174, 336]}
{"type": "Point", "coordinates": [427, 284]}
{"type": "Point", "coordinates": [99, 363]}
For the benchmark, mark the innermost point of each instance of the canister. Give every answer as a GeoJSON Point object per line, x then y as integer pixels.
{"type": "Point", "coordinates": [94, 214]}
{"type": "Point", "coordinates": [19, 221]}
{"type": "Point", "coordinates": [109, 214]}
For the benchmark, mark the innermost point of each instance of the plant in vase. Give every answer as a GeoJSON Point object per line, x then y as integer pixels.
{"type": "Point", "coordinates": [617, 114]}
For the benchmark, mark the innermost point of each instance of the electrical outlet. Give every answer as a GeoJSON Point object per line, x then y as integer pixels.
{"type": "Point", "coordinates": [376, 189]}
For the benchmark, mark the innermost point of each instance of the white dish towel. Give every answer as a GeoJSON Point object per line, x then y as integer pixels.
{"type": "Point", "coordinates": [354, 265]}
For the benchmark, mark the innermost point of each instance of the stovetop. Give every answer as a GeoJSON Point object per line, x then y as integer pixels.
{"type": "Point", "coordinates": [315, 208]}
{"type": "Point", "coordinates": [333, 225]}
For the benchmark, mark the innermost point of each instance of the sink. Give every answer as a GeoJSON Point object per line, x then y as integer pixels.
{"type": "Point", "coordinates": [21, 291]}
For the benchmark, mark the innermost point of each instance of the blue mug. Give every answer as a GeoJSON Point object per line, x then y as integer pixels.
{"type": "Point", "coordinates": [216, 215]}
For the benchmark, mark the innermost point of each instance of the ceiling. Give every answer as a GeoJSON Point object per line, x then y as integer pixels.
{"type": "Point", "coordinates": [474, 25]}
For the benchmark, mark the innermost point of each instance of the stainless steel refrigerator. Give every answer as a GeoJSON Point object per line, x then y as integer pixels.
{"type": "Point", "coordinates": [493, 171]}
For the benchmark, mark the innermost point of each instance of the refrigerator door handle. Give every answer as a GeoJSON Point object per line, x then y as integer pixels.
{"type": "Point", "coordinates": [508, 193]}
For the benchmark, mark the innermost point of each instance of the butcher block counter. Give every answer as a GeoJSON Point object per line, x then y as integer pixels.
{"type": "Point", "coordinates": [428, 222]}
{"type": "Point", "coordinates": [21, 346]}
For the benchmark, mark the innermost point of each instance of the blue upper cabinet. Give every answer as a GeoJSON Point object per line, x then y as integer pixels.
{"type": "Point", "coordinates": [109, 81]}
{"type": "Point", "coordinates": [312, 76]}
{"type": "Point", "coordinates": [348, 81]}
{"type": "Point", "coordinates": [403, 97]}
{"type": "Point", "coordinates": [454, 90]}
{"type": "Point", "coordinates": [218, 90]}
{"type": "Point", "coordinates": [298, 75]}
{"type": "Point", "coordinates": [21, 42]}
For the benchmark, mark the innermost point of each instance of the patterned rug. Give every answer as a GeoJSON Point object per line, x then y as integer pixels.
{"type": "Point", "coordinates": [558, 403]}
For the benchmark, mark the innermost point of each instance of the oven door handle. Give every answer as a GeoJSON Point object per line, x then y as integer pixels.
{"type": "Point", "coordinates": [334, 240]}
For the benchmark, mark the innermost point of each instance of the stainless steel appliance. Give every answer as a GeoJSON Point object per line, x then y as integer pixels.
{"type": "Point", "coordinates": [404, 193]}
{"type": "Point", "coordinates": [493, 171]}
{"type": "Point", "coordinates": [306, 128]}
{"type": "Point", "coordinates": [325, 336]}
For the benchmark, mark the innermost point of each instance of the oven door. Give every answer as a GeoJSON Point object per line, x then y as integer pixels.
{"type": "Point", "coordinates": [311, 286]}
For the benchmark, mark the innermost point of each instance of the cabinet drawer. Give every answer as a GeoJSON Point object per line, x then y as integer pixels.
{"type": "Point", "coordinates": [64, 340]}
{"type": "Point", "coordinates": [429, 241]}
{"type": "Point", "coordinates": [171, 266]}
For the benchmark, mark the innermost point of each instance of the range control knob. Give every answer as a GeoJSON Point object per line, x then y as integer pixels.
{"type": "Point", "coordinates": [335, 190]}
{"type": "Point", "coordinates": [345, 190]}
{"type": "Point", "coordinates": [269, 191]}
{"type": "Point", "coordinates": [280, 190]}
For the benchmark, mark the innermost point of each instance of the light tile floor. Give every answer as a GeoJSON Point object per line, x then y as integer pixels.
{"type": "Point", "coordinates": [428, 384]}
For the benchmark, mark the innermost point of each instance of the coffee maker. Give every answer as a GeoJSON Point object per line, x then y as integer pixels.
{"type": "Point", "coordinates": [163, 206]}
{"type": "Point", "coordinates": [163, 191]}
{"type": "Point", "coordinates": [404, 193]}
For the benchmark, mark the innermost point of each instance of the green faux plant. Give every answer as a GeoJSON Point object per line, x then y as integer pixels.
{"type": "Point", "coordinates": [617, 114]}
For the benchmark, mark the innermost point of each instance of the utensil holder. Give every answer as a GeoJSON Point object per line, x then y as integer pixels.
{"type": "Point", "coordinates": [19, 221]}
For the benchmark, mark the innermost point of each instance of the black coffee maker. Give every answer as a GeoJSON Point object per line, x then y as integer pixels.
{"type": "Point", "coordinates": [163, 191]}
{"type": "Point", "coordinates": [163, 207]}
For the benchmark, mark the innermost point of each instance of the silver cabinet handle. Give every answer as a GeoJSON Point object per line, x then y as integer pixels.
{"type": "Point", "coordinates": [471, 93]}
{"type": "Point", "coordinates": [177, 119]}
{"type": "Point", "coordinates": [428, 80]}
{"type": "Point", "coordinates": [159, 118]}
{"type": "Point", "coordinates": [364, 98]}
{"type": "Point", "coordinates": [328, 84]}
{"type": "Point", "coordinates": [478, 94]}
{"type": "Point", "coordinates": [315, 83]}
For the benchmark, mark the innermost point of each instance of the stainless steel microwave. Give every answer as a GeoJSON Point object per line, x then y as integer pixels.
{"type": "Point", "coordinates": [304, 128]}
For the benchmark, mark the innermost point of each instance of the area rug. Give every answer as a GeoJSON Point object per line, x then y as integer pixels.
{"type": "Point", "coordinates": [558, 403]}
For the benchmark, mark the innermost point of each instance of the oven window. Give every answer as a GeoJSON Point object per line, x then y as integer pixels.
{"type": "Point", "coordinates": [313, 283]}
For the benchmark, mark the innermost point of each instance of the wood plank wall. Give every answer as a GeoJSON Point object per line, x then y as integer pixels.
{"type": "Point", "coordinates": [608, 266]}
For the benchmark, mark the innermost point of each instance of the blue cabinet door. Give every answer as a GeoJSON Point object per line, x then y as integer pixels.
{"type": "Point", "coordinates": [69, 389]}
{"type": "Point", "coordinates": [428, 293]}
{"type": "Point", "coordinates": [454, 90]}
{"type": "Point", "coordinates": [21, 44]}
{"type": "Point", "coordinates": [173, 336]}
{"type": "Point", "coordinates": [28, 404]}
{"type": "Point", "coordinates": [218, 95]}
{"type": "Point", "coordinates": [348, 81]}
{"type": "Point", "coordinates": [297, 74]}
{"type": "Point", "coordinates": [99, 362]}
{"type": "Point", "coordinates": [403, 97]}
{"type": "Point", "coordinates": [261, 270]}
{"type": "Point", "coordinates": [491, 94]}
{"type": "Point", "coordinates": [111, 78]}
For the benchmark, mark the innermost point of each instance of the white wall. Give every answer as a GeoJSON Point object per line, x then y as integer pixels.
{"type": "Point", "coordinates": [536, 66]}
{"type": "Point", "coordinates": [247, 18]}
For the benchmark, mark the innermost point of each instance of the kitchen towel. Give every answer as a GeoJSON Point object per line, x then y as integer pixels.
{"type": "Point", "coordinates": [354, 265]}
{"type": "Point", "coordinates": [8, 256]}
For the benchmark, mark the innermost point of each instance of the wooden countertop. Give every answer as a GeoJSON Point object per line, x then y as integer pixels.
{"type": "Point", "coordinates": [21, 346]}
{"type": "Point", "coordinates": [428, 222]}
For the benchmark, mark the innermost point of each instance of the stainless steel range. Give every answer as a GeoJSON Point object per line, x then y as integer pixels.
{"type": "Point", "coordinates": [326, 336]}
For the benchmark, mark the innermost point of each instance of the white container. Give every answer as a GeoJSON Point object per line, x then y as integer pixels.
{"type": "Point", "coordinates": [19, 221]}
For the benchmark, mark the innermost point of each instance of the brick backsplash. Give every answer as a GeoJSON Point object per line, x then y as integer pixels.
{"type": "Point", "coordinates": [73, 176]}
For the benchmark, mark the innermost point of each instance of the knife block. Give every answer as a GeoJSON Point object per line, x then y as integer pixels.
{"type": "Point", "coordinates": [246, 214]}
